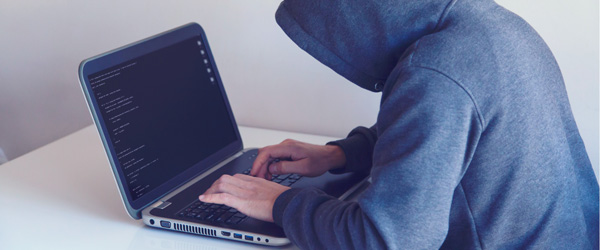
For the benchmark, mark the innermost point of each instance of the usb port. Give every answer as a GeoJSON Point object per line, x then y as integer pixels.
{"type": "Point", "coordinates": [248, 237]}
{"type": "Point", "coordinates": [237, 236]}
{"type": "Point", "coordinates": [225, 233]}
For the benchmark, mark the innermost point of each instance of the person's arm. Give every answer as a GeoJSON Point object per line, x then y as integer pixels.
{"type": "Point", "coordinates": [358, 150]}
{"type": "Point", "coordinates": [428, 130]}
{"type": "Point", "coordinates": [351, 154]}
{"type": "Point", "coordinates": [291, 156]}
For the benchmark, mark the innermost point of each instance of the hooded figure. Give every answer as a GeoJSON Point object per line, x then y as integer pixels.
{"type": "Point", "coordinates": [475, 145]}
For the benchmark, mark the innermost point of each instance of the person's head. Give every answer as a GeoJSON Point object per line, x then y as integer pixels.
{"type": "Point", "coordinates": [360, 40]}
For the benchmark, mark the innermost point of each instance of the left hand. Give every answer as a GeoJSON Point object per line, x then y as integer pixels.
{"type": "Point", "coordinates": [252, 196]}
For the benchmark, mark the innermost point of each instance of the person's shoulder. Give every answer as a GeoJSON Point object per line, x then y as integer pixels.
{"type": "Point", "coordinates": [474, 37]}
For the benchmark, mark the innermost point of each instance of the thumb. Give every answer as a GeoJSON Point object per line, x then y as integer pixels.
{"type": "Point", "coordinates": [287, 167]}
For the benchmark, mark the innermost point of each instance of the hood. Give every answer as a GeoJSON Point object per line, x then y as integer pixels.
{"type": "Point", "coordinates": [362, 40]}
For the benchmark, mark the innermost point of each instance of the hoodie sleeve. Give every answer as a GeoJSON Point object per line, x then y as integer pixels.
{"type": "Point", "coordinates": [358, 149]}
{"type": "Point", "coordinates": [428, 129]}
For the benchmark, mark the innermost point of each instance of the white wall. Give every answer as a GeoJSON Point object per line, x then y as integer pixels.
{"type": "Point", "coordinates": [270, 82]}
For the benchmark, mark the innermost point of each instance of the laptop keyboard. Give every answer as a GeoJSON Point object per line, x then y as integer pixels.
{"type": "Point", "coordinates": [202, 211]}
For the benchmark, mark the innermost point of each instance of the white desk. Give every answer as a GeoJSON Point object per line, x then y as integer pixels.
{"type": "Point", "coordinates": [63, 196]}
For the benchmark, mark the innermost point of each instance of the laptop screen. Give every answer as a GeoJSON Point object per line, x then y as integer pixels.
{"type": "Point", "coordinates": [163, 113]}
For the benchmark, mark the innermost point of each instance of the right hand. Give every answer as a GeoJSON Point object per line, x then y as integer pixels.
{"type": "Point", "coordinates": [295, 157]}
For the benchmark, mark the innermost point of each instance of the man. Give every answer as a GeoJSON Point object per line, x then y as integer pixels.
{"type": "Point", "coordinates": [475, 144]}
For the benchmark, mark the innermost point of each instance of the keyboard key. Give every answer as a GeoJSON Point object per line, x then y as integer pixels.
{"type": "Point", "coordinates": [233, 220]}
{"type": "Point", "coordinates": [202, 216]}
{"type": "Point", "coordinates": [219, 211]}
{"type": "Point", "coordinates": [211, 217]}
{"type": "Point", "coordinates": [224, 217]}
{"type": "Point", "coordinates": [287, 183]}
{"type": "Point", "coordinates": [239, 215]}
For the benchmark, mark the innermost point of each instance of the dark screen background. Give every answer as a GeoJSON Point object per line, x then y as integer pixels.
{"type": "Point", "coordinates": [164, 112]}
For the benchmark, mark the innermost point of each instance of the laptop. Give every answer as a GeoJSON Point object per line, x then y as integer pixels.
{"type": "Point", "coordinates": [168, 131]}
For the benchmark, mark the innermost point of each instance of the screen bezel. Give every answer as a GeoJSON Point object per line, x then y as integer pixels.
{"type": "Point", "coordinates": [130, 52]}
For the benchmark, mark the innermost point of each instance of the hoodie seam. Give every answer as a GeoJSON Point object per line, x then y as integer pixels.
{"type": "Point", "coordinates": [412, 53]}
{"type": "Point", "coordinates": [328, 49]}
{"type": "Point", "coordinates": [470, 210]}
{"type": "Point", "coordinates": [444, 14]}
{"type": "Point", "coordinates": [437, 27]}
{"type": "Point", "coordinates": [464, 88]}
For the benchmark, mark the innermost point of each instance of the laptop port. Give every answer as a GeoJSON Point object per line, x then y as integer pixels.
{"type": "Point", "coordinates": [248, 237]}
{"type": "Point", "coordinates": [166, 224]}
{"type": "Point", "coordinates": [237, 236]}
{"type": "Point", "coordinates": [225, 233]}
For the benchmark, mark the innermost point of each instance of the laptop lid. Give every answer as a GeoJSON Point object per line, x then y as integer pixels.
{"type": "Point", "coordinates": [161, 112]}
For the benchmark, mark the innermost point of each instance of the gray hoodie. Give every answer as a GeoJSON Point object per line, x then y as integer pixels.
{"type": "Point", "coordinates": [475, 145]}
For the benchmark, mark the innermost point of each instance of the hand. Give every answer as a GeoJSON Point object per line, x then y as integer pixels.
{"type": "Point", "coordinates": [252, 196]}
{"type": "Point", "coordinates": [296, 157]}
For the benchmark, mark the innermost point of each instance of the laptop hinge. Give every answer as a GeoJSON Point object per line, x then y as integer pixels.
{"type": "Point", "coordinates": [163, 204]}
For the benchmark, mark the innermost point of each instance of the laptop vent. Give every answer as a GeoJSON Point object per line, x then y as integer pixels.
{"type": "Point", "coordinates": [194, 230]}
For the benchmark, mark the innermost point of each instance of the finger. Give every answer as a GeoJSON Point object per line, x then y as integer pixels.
{"type": "Point", "coordinates": [267, 175]}
{"type": "Point", "coordinates": [262, 170]}
{"type": "Point", "coordinates": [268, 154]}
{"type": "Point", "coordinates": [288, 167]}
{"type": "Point", "coordinates": [260, 163]}
{"type": "Point", "coordinates": [221, 198]}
